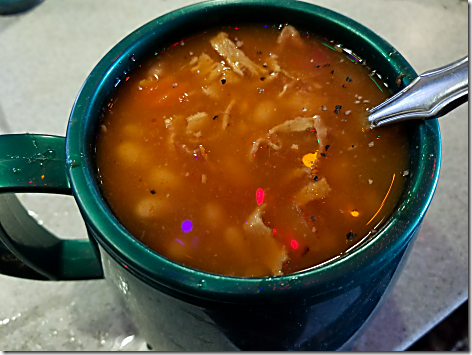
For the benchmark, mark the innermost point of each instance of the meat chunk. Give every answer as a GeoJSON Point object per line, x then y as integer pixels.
{"type": "Point", "coordinates": [321, 132]}
{"type": "Point", "coordinates": [258, 143]}
{"type": "Point", "coordinates": [298, 124]}
{"type": "Point", "coordinates": [255, 225]}
{"type": "Point", "coordinates": [200, 152]}
{"type": "Point", "coordinates": [207, 67]}
{"type": "Point", "coordinates": [288, 33]}
{"type": "Point", "coordinates": [272, 63]}
{"type": "Point", "coordinates": [153, 75]}
{"type": "Point", "coordinates": [315, 190]}
{"type": "Point", "coordinates": [197, 122]}
{"type": "Point", "coordinates": [274, 253]}
{"type": "Point", "coordinates": [235, 57]}
{"type": "Point", "coordinates": [212, 91]}
{"type": "Point", "coordinates": [193, 61]}
{"type": "Point", "coordinates": [226, 114]}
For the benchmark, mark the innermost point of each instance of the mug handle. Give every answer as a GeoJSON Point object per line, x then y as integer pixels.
{"type": "Point", "coordinates": [37, 163]}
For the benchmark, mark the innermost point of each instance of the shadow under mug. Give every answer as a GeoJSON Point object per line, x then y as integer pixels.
{"type": "Point", "coordinates": [317, 309]}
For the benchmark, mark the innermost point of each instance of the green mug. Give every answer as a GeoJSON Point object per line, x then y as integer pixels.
{"type": "Point", "coordinates": [322, 308]}
{"type": "Point", "coordinates": [13, 7]}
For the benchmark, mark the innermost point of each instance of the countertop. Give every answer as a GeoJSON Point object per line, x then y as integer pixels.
{"type": "Point", "coordinates": [46, 54]}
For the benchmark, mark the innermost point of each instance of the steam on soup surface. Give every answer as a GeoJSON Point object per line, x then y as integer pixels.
{"type": "Point", "coordinates": [243, 151]}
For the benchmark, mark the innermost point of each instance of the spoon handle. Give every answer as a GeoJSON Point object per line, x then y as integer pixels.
{"type": "Point", "coordinates": [430, 95]}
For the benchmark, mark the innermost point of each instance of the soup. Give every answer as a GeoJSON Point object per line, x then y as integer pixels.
{"type": "Point", "coordinates": [245, 151]}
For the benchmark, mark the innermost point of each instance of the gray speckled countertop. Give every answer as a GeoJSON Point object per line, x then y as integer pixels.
{"type": "Point", "coordinates": [46, 54]}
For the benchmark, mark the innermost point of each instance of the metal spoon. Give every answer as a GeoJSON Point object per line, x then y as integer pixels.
{"type": "Point", "coordinates": [430, 95]}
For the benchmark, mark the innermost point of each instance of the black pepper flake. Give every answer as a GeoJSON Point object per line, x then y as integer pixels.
{"type": "Point", "coordinates": [259, 52]}
{"type": "Point", "coordinates": [326, 65]}
{"type": "Point", "coordinates": [260, 90]}
{"type": "Point", "coordinates": [352, 146]}
{"type": "Point", "coordinates": [323, 154]}
{"type": "Point", "coordinates": [344, 86]}
{"type": "Point", "coordinates": [337, 111]}
{"type": "Point", "coordinates": [153, 191]}
{"type": "Point", "coordinates": [332, 72]}
{"type": "Point", "coordinates": [350, 236]}
{"type": "Point", "coordinates": [223, 81]}
{"type": "Point", "coordinates": [327, 146]}
{"type": "Point", "coordinates": [348, 79]}
{"type": "Point", "coordinates": [215, 117]}
{"type": "Point", "coordinates": [263, 78]}
{"type": "Point", "coordinates": [315, 178]}
{"type": "Point", "coordinates": [324, 108]}
{"type": "Point", "coordinates": [264, 65]}
{"type": "Point", "coordinates": [338, 107]}
{"type": "Point", "coordinates": [307, 249]}
{"type": "Point", "coordinates": [312, 218]}
{"type": "Point", "coordinates": [317, 66]}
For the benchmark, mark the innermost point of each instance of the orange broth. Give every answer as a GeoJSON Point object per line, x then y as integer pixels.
{"type": "Point", "coordinates": [244, 151]}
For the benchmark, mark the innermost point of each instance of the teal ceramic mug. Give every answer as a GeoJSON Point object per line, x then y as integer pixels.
{"type": "Point", "coordinates": [316, 309]}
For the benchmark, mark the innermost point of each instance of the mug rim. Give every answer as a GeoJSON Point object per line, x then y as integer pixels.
{"type": "Point", "coordinates": [174, 277]}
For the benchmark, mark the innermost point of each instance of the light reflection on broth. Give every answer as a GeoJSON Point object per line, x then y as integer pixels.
{"type": "Point", "coordinates": [243, 151]}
